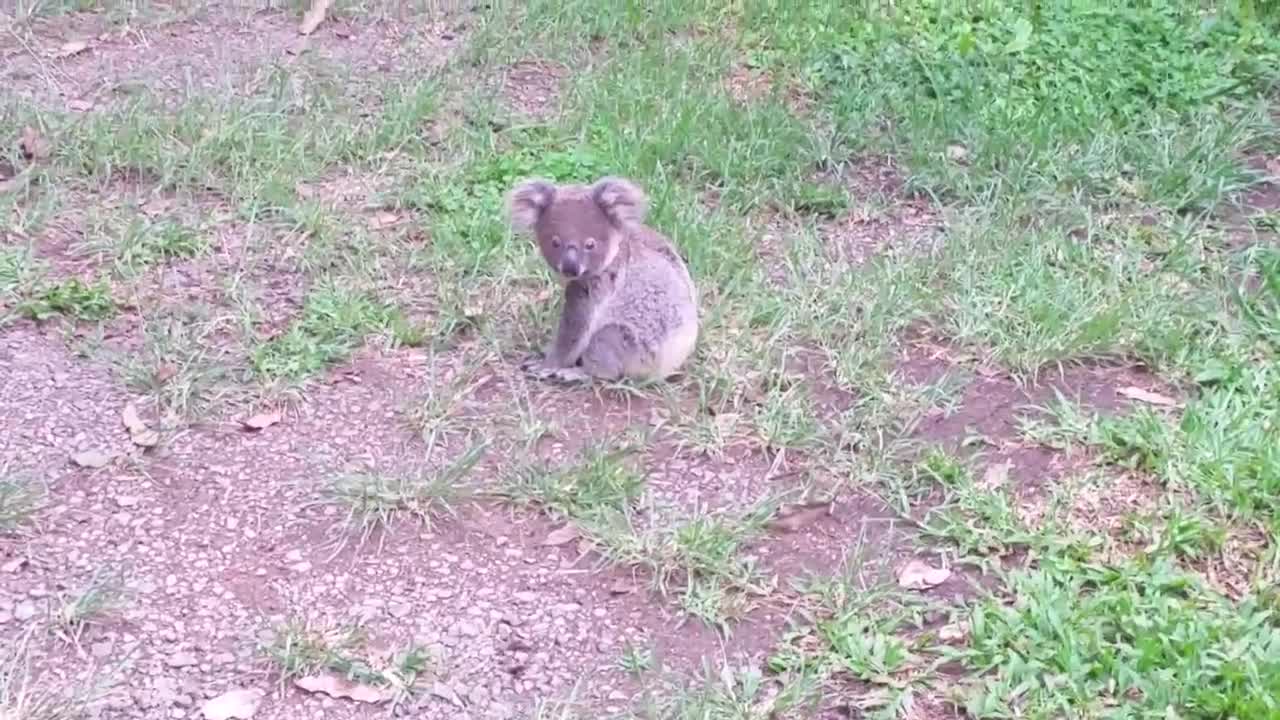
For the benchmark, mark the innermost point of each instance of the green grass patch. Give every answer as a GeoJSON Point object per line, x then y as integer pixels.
{"type": "Point", "coordinates": [334, 321]}
{"type": "Point", "coordinates": [19, 500]}
{"type": "Point", "coordinates": [1112, 104]}
{"type": "Point", "coordinates": [1131, 640]}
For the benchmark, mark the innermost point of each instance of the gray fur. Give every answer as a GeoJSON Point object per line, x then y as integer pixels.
{"type": "Point", "coordinates": [629, 306]}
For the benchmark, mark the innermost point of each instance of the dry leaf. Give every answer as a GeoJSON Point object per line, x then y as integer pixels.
{"type": "Point", "coordinates": [919, 575]}
{"type": "Point", "coordinates": [953, 632]}
{"type": "Point", "coordinates": [145, 438]}
{"type": "Point", "coordinates": [623, 586]}
{"type": "Point", "coordinates": [139, 433]}
{"type": "Point", "coordinates": [313, 17]}
{"type": "Point", "coordinates": [263, 420]}
{"type": "Point", "coordinates": [79, 105]}
{"type": "Point", "coordinates": [383, 219]}
{"type": "Point", "coordinates": [792, 517]}
{"type": "Point", "coordinates": [32, 144]}
{"type": "Point", "coordinates": [1146, 396]}
{"type": "Point", "coordinates": [560, 536]}
{"type": "Point", "coordinates": [996, 475]}
{"type": "Point", "coordinates": [957, 153]}
{"type": "Point", "coordinates": [91, 459]}
{"type": "Point", "coordinates": [72, 48]}
{"type": "Point", "coordinates": [339, 687]}
{"type": "Point", "coordinates": [131, 420]}
{"type": "Point", "coordinates": [233, 704]}
{"type": "Point", "coordinates": [165, 373]}
{"type": "Point", "coordinates": [444, 692]}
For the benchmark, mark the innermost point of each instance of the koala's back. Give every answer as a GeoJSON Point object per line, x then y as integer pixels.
{"type": "Point", "coordinates": [656, 299]}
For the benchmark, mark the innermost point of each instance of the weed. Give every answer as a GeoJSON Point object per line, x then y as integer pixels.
{"type": "Point", "coordinates": [600, 485]}
{"type": "Point", "coordinates": [73, 612]}
{"type": "Point", "coordinates": [300, 648]}
{"type": "Point", "coordinates": [19, 500]}
{"type": "Point", "coordinates": [334, 321]}
{"type": "Point", "coordinates": [1138, 637]}
{"type": "Point", "coordinates": [72, 297]}
{"type": "Point", "coordinates": [372, 500]}
{"type": "Point", "coordinates": [30, 694]}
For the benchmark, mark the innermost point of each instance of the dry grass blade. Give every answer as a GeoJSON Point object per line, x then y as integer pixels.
{"type": "Point", "coordinates": [314, 16]}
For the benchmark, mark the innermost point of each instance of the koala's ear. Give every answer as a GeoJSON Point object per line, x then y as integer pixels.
{"type": "Point", "coordinates": [620, 199]}
{"type": "Point", "coordinates": [528, 200]}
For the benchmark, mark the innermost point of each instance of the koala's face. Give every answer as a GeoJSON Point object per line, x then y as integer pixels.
{"type": "Point", "coordinates": [575, 237]}
{"type": "Point", "coordinates": [578, 228]}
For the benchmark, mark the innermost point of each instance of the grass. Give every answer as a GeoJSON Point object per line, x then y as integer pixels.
{"type": "Point", "coordinates": [373, 500]}
{"type": "Point", "coordinates": [334, 321]}
{"type": "Point", "coordinates": [29, 693]}
{"type": "Point", "coordinates": [73, 612]}
{"type": "Point", "coordinates": [1071, 173]}
{"type": "Point", "coordinates": [20, 498]}
{"type": "Point", "coordinates": [299, 648]}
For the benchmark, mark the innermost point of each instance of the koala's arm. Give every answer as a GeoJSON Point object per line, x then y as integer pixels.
{"type": "Point", "coordinates": [574, 330]}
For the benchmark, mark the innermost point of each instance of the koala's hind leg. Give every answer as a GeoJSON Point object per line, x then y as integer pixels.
{"type": "Point", "coordinates": [612, 352]}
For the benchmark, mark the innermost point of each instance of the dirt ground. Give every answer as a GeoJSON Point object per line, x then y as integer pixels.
{"type": "Point", "coordinates": [218, 544]}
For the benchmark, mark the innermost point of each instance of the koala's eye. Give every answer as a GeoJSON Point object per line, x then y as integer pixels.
{"type": "Point", "coordinates": [590, 243]}
{"type": "Point", "coordinates": [555, 241]}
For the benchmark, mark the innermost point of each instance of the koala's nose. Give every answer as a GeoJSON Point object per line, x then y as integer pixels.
{"type": "Point", "coordinates": [570, 264]}
{"type": "Point", "coordinates": [571, 267]}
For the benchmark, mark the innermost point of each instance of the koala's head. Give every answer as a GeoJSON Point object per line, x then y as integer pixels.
{"type": "Point", "coordinates": [578, 228]}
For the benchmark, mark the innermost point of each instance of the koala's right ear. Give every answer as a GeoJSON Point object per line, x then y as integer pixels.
{"type": "Point", "coordinates": [528, 200]}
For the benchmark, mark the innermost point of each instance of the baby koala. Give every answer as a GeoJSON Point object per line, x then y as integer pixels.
{"type": "Point", "coordinates": [630, 307]}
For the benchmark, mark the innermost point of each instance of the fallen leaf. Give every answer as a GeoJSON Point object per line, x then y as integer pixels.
{"type": "Point", "coordinates": [919, 575]}
{"type": "Point", "coordinates": [623, 586]}
{"type": "Point", "coordinates": [383, 219]}
{"type": "Point", "coordinates": [91, 459]}
{"type": "Point", "coordinates": [139, 433]}
{"type": "Point", "coordinates": [145, 438]}
{"type": "Point", "coordinates": [79, 105]}
{"type": "Point", "coordinates": [72, 47]}
{"type": "Point", "coordinates": [313, 17]}
{"type": "Point", "coordinates": [263, 420]}
{"type": "Point", "coordinates": [339, 687]}
{"type": "Point", "coordinates": [444, 692]}
{"type": "Point", "coordinates": [953, 632]}
{"type": "Point", "coordinates": [560, 536]}
{"type": "Point", "coordinates": [996, 475]}
{"type": "Point", "coordinates": [32, 144]}
{"type": "Point", "coordinates": [131, 420]}
{"type": "Point", "coordinates": [792, 517]}
{"type": "Point", "coordinates": [1147, 396]}
{"type": "Point", "coordinates": [157, 206]}
{"type": "Point", "coordinates": [165, 373]}
{"type": "Point", "coordinates": [237, 704]}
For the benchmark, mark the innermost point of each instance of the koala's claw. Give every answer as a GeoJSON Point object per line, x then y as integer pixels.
{"type": "Point", "coordinates": [568, 376]}
{"type": "Point", "coordinates": [539, 370]}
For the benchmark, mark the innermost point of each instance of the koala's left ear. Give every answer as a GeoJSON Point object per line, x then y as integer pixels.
{"type": "Point", "coordinates": [528, 200]}
{"type": "Point", "coordinates": [620, 199]}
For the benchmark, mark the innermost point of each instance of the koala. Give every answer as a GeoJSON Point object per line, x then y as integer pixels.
{"type": "Point", "coordinates": [630, 307]}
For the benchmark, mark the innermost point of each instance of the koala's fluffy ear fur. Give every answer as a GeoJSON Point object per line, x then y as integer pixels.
{"type": "Point", "coordinates": [620, 199]}
{"type": "Point", "coordinates": [528, 200]}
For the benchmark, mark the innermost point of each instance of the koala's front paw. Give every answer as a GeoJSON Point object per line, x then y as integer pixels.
{"type": "Point", "coordinates": [568, 376]}
{"type": "Point", "coordinates": [531, 364]}
{"type": "Point", "coordinates": [537, 368]}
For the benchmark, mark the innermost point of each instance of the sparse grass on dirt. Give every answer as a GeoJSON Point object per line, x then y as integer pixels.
{"type": "Point", "coordinates": [999, 283]}
{"type": "Point", "coordinates": [20, 497]}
